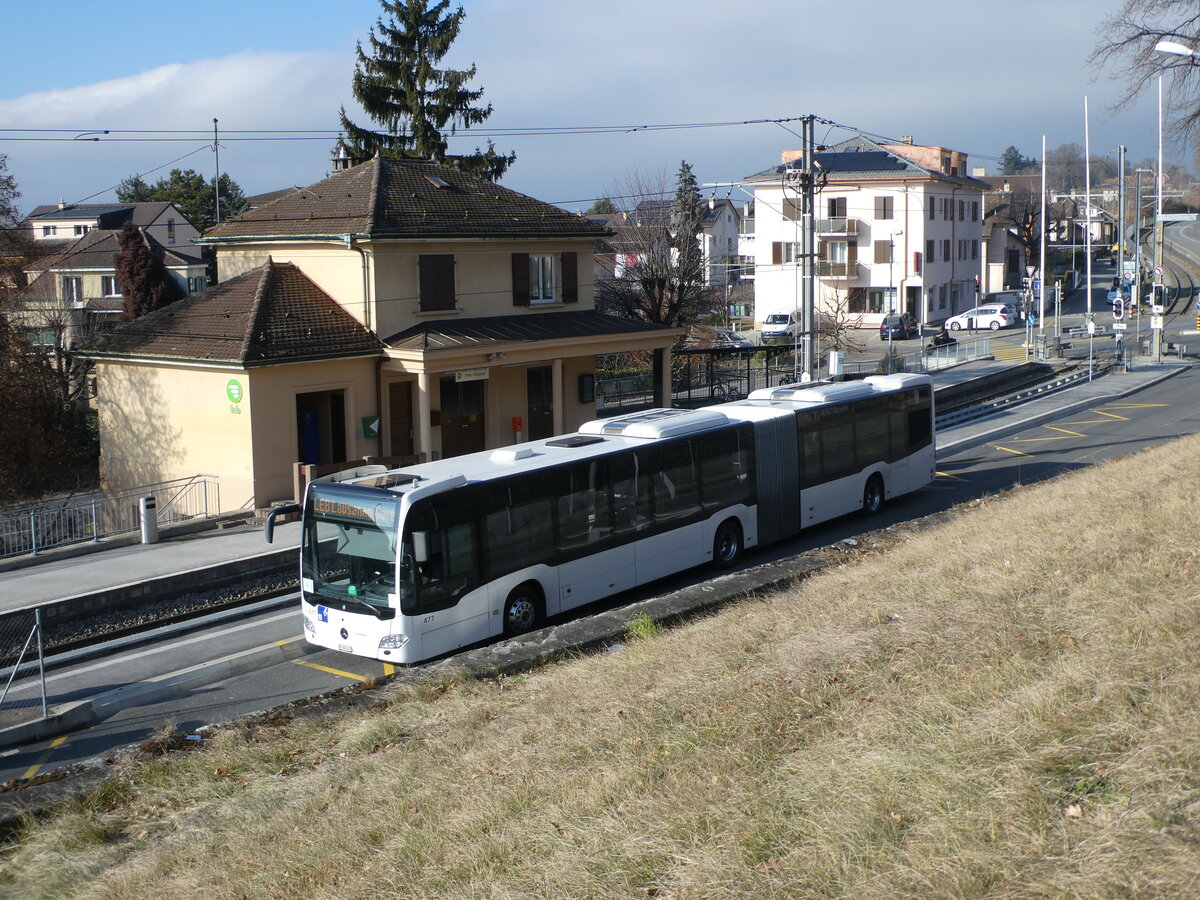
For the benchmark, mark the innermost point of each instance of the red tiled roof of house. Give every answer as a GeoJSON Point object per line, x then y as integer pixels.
{"type": "Point", "coordinates": [404, 198]}
{"type": "Point", "coordinates": [270, 314]}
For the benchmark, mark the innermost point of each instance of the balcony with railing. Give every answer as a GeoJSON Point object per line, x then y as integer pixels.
{"type": "Point", "coordinates": [845, 227]}
{"type": "Point", "coordinates": [843, 271]}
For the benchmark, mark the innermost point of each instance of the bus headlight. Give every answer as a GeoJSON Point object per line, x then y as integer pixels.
{"type": "Point", "coordinates": [393, 641]}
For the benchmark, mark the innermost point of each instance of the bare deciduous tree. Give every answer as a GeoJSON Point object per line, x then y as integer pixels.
{"type": "Point", "coordinates": [1126, 52]}
{"type": "Point", "coordinates": [658, 274]}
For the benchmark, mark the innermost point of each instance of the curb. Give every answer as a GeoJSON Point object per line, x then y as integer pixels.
{"type": "Point", "coordinates": [82, 713]}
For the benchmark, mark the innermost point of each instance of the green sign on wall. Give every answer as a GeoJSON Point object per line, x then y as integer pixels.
{"type": "Point", "coordinates": [233, 390]}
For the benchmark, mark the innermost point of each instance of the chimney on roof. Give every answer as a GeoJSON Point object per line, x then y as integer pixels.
{"type": "Point", "coordinates": [906, 138]}
{"type": "Point", "coordinates": [341, 159]}
{"type": "Point", "coordinates": [61, 203]}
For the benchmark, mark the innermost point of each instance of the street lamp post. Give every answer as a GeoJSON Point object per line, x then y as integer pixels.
{"type": "Point", "coordinates": [891, 292]}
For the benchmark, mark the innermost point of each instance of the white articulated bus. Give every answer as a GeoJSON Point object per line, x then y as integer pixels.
{"type": "Point", "coordinates": [408, 564]}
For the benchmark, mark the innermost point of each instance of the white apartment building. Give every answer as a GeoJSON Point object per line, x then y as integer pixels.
{"type": "Point", "coordinates": [898, 229]}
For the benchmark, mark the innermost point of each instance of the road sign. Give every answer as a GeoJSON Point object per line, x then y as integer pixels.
{"type": "Point", "coordinates": [1158, 270]}
{"type": "Point", "coordinates": [1129, 276]}
{"type": "Point", "coordinates": [1120, 326]}
{"type": "Point", "coordinates": [1156, 322]}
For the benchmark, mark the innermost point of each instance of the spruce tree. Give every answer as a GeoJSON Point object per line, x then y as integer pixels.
{"type": "Point", "coordinates": [685, 226]}
{"type": "Point", "coordinates": [415, 104]}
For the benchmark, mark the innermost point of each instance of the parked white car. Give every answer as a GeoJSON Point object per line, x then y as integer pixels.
{"type": "Point", "coordinates": [991, 315]}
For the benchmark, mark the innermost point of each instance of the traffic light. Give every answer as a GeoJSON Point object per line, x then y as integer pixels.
{"type": "Point", "coordinates": [1118, 306]}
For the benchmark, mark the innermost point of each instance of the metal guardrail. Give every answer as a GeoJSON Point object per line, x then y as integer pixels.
{"type": "Point", "coordinates": [988, 408]}
{"type": "Point", "coordinates": [32, 529]}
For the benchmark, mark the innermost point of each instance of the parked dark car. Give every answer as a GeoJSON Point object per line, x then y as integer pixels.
{"type": "Point", "coordinates": [897, 327]}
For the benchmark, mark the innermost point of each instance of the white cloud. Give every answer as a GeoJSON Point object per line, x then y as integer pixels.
{"type": "Point", "coordinates": [252, 90]}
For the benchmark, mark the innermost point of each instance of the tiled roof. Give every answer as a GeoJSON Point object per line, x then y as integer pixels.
{"type": "Point", "coordinates": [270, 314]}
{"type": "Point", "coordinates": [95, 250]}
{"type": "Point", "coordinates": [859, 159]}
{"type": "Point", "coordinates": [403, 198]}
{"type": "Point", "coordinates": [455, 334]}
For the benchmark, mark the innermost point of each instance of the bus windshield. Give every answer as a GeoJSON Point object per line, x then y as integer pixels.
{"type": "Point", "coordinates": [349, 546]}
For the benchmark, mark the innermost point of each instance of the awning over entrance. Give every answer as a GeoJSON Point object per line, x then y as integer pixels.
{"type": "Point", "coordinates": [481, 333]}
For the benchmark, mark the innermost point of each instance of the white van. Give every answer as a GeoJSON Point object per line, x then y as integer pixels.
{"type": "Point", "coordinates": [781, 326]}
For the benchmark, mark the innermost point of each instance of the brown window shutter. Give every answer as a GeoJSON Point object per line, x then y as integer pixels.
{"type": "Point", "coordinates": [520, 277]}
{"type": "Point", "coordinates": [883, 251]}
{"type": "Point", "coordinates": [436, 282]}
{"type": "Point", "coordinates": [570, 278]}
{"type": "Point", "coordinates": [777, 253]}
{"type": "Point", "coordinates": [852, 254]}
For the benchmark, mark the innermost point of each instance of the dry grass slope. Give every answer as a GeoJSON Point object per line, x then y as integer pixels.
{"type": "Point", "coordinates": [1004, 706]}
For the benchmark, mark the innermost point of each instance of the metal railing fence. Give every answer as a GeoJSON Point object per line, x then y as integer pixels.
{"type": "Point", "coordinates": [71, 520]}
{"type": "Point", "coordinates": [22, 669]}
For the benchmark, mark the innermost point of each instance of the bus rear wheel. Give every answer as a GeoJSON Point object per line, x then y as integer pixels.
{"type": "Point", "coordinates": [522, 609]}
{"type": "Point", "coordinates": [727, 544]}
{"type": "Point", "coordinates": [872, 496]}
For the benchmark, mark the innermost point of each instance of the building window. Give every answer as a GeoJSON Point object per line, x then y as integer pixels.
{"type": "Point", "coordinates": [962, 210]}
{"type": "Point", "coordinates": [72, 287]}
{"type": "Point", "coordinates": [81, 230]}
{"type": "Point", "coordinates": [974, 249]}
{"type": "Point", "coordinates": [942, 297]}
{"type": "Point", "coordinates": [884, 207]}
{"type": "Point", "coordinates": [49, 230]}
{"type": "Point", "coordinates": [946, 249]}
{"type": "Point", "coordinates": [437, 281]}
{"type": "Point", "coordinates": [883, 251]}
{"type": "Point", "coordinates": [170, 231]}
{"type": "Point", "coordinates": [932, 208]}
{"type": "Point", "coordinates": [930, 251]}
{"type": "Point", "coordinates": [837, 207]}
{"type": "Point", "coordinates": [541, 279]}
{"type": "Point", "coordinates": [108, 286]}
{"type": "Point", "coordinates": [948, 209]}
{"type": "Point", "coordinates": [974, 210]}
{"type": "Point", "coordinates": [871, 300]}
{"type": "Point", "coordinates": [197, 283]}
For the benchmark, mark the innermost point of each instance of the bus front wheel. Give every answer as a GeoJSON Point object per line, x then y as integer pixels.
{"type": "Point", "coordinates": [873, 496]}
{"type": "Point", "coordinates": [522, 609]}
{"type": "Point", "coordinates": [727, 544]}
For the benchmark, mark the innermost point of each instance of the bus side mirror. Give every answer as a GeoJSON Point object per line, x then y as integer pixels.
{"type": "Point", "coordinates": [269, 525]}
{"type": "Point", "coordinates": [420, 546]}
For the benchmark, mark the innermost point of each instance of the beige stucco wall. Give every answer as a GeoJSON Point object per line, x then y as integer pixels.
{"type": "Point", "coordinates": [161, 422]}
{"type": "Point", "coordinates": [273, 406]}
{"type": "Point", "coordinates": [482, 272]}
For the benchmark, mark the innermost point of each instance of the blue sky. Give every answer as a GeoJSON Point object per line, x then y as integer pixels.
{"type": "Point", "coordinates": [967, 75]}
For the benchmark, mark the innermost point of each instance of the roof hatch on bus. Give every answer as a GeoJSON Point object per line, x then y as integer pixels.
{"type": "Point", "coordinates": [815, 393]}
{"type": "Point", "coordinates": [657, 423]}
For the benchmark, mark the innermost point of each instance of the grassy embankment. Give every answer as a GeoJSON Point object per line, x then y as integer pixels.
{"type": "Point", "coordinates": [1005, 705]}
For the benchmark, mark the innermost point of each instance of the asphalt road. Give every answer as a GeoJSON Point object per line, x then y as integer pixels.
{"type": "Point", "coordinates": [1159, 413]}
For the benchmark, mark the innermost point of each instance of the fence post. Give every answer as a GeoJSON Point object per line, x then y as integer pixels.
{"type": "Point", "coordinates": [95, 524]}
{"type": "Point", "coordinates": [33, 533]}
{"type": "Point", "coordinates": [37, 613]}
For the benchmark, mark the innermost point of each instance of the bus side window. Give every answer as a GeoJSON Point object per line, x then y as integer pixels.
{"type": "Point", "coordinates": [812, 472]}
{"type": "Point", "coordinates": [674, 482]}
{"type": "Point", "coordinates": [920, 421]}
{"type": "Point", "coordinates": [630, 493]}
{"type": "Point", "coordinates": [724, 465]}
{"type": "Point", "coordinates": [837, 441]}
{"type": "Point", "coordinates": [871, 431]}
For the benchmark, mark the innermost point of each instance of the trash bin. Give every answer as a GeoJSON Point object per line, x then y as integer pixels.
{"type": "Point", "coordinates": [149, 511]}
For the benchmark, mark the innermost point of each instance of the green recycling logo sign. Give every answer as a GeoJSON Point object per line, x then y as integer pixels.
{"type": "Point", "coordinates": [233, 390]}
